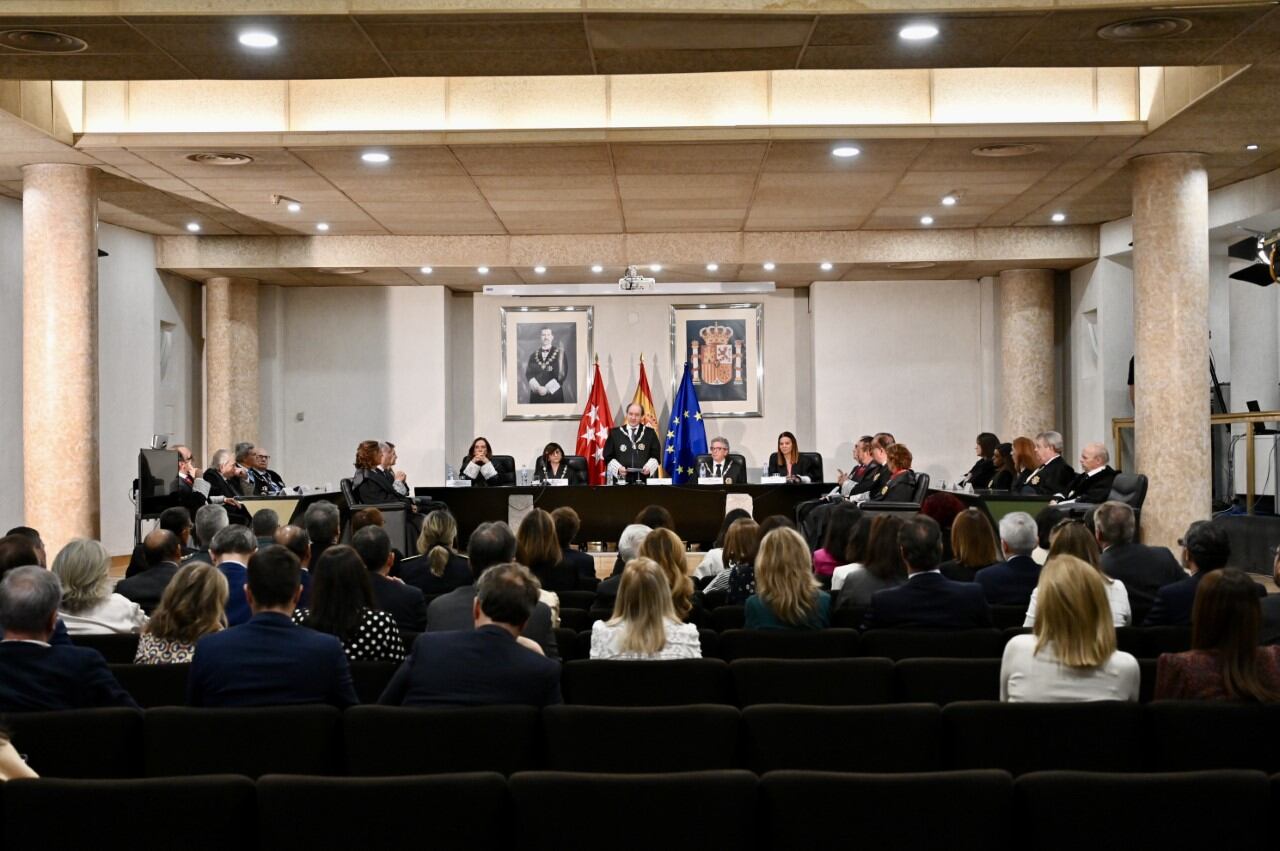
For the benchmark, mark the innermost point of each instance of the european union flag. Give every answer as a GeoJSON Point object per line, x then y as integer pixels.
{"type": "Point", "coordinates": [686, 436]}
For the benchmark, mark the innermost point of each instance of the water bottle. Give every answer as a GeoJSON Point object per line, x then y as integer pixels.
{"type": "Point", "coordinates": [608, 476]}
{"type": "Point", "coordinates": [764, 471]}
{"type": "Point", "coordinates": [448, 474]}
{"type": "Point", "coordinates": [525, 477]}
{"type": "Point", "coordinates": [703, 470]}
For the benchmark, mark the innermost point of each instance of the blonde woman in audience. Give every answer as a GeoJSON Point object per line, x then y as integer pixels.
{"type": "Point", "coordinates": [193, 605]}
{"type": "Point", "coordinates": [644, 623]}
{"type": "Point", "coordinates": [12, 765]}
{"type": "Point", "coordinates": [88, 606]}
{"type": "Point", "coordinates": [1071, 656]}
{"type": "Point", "coordinates": [787, 594]}
{"type": "Point", "coordinates": [444, 568]}
{"type": "Point", "coordinates": [1073, 538]}
{"type": "Point", "coordinates": [666, 548]}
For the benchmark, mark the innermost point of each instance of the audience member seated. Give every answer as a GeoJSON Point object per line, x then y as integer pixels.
{"type": "Point", "coordinates": [927, 598]}
{"type": "Point", "coordinates": [12, 764]}
{"type": "Point", "coordinates": [296, 540]}
{"type": "Point", "coordinates": [944, 507]}
{"type": "Point", "coordinates": [738, 580]}
{"type": "Point", "coordinates": [628, 549]}
{"type": "Point", "coordinates": [37, 542]}
{"type": "Point", "coordinates": [1205, 548]}
{"type": "Point", "coordinates": [485, 665]}
{"type": "Point", "coordinates": [1269, 630]}
{"type": "Point", "coordinates": [1072, 655]}
{"type": "Point", "coordinates": [270, 661]}
{"type": "Point", "coordinates": [163, 553]}
{"type": "Point", "coordinates": [226, 485]}
{"type": "Point", "coordinates": [973, 546]}
{"type": "Point", "coordinates": [1144, 570]}
{"type": "Point", "coordinates": [665, 547]}
{"type": "Point", "coordinates": [984, 469]}
{"type": "Point", "coordinates": [840, 522]}
{"type": "Point", "coordinates": [1011, 582]}
{"type": "Point", "coordinates": [538, 549]}
{"type": "Point", "coordinates": [567, 524]}
{"type": "Point", "coordinates": [882, 566]}
{"type": "Point", "coordinates": [1093, 484]}
{"type": "Point", "coordinates": [193, 605]}
{"type": "Point", "coordinates": [210, 520]}
{"type": "Point", "coordinates": [264, 525]}
{"type": "Point", "coordinates": [855, 552]}
{"type": "Point", "coordinates": [901, 486]}
{"type": "Point", "coordinates": [551, 465]}
{"type": "Point", "coordinates": [712, 563]}
{"type": "Point", "coordinates": [787, 595]}
{"type": "Point", "coordinates": [479, 469]}
{"type": "Point", "coordinates": [1053, 475]}
{"type": "Point", "coordinates": [1073, 538]}
{"type": "Point", "coordinates": [18, 551]}
{"type": "Point", "coordinates": [88, 605]}
{"type": "Point", "coordinates": [652, 516]}
{"type": "Point", "coordinates": [1225, 661]}
{"type": "Point", "coordinates": [489, 545]}
{"type": "Point", "coordinates": [1006, 472]}
{"type": "Point", "coordinates": [404, 603]}
{"type": "Point", "coordinates": [342, 605]}
{"type": "Point", "coordinates": [232, 549]}
{"type": "Point", "coordinates": [441, 568]}
{"type": "Point", "coordinates": [323, 522]}
{"type": "Point", "coordinates": [644, 623]}
{"type": "Point", "coordinates": [176, 520]}
{"type": "Point", "coordinates": [36, 675]}
{"type": "Point", "coordinates": [788, 461]}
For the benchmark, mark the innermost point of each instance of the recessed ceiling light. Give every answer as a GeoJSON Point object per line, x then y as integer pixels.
{"type": "Point", "coordinates": [656, 267]}
{"type": "Point", "coordinates": [1252, 146]}
{"type": "Point", "coordinates": [926, 220]}
{"type": "Point", "coordinates": [712, 267]}
{"type": "Point", "coordinates": [1059, 217]}
{"type": "Point", "coordinates": [845, 151]}
{"type": "Point", "coordinates": [221, 158]}
{"type": "Point", "coordinates": [483, 270]}
{"type": "Point", "coordinates": [322, 225]}
{"type": "Point", "coordinates": [294, 207]}
{"type": "Point", "coordinates": [597, 268]}
{"type": "Point", "coordinates": [541, 270]}
{"type": "Point", "coordinates": [949, 200]}
{"type": "Point", "coordinates": [258, 39]}
{"type": "Point", "coordinates": [193, 226]}
{"type": "Point", "coordinates": [376, 157]}
{"type": "Point", "coordinates": [917, 32]}
{"type": "Point", "coordinates": [769, 266]}
{"type": "Point", "coordinates": [826, 267]}
{"type": "Point", "coordinates": [426, 270]}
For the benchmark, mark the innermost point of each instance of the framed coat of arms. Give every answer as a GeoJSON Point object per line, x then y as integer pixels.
{"type": "Point", "coordinates": [723, 344]}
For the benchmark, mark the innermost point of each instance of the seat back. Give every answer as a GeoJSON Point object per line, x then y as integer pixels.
{"type": "Point", "coordinates": [578, 463]}
{"type": "Point", "coordinates": [370, 678]}
{"type": "Point", "coordinates": [922, 488]}
{"type": "Point", "coordinates": [116, 648]}
{"type": "Point", "coordinates": [80, 743]}
{"type": "Point", "coordinates": [1024, 737]}
{"type": "Point", "coordinates": [725, 618]}
{"type": "Point", "coordinates": [815, 458]}
{"type": "Point", "coordinates": [1193, 735]}
{"type": "Point", "coordinates": [348, 493]}
{"type": "Point", "coordinates": [814, 682]}
{"type": "Point", "coordinates": [505, 464]}
{"type": "Point", "coordinates": [935, 644]}
{"type": "Point", "coordinates": [943, 681]}
{"type": "Point", "coordinates": [266, 740]}
{"type": "Point", "coordinates": [1008, 617]}
{"type": "Point", "coordinates": [783, 644]}
{"type": "Point", "coordinates": [673, 682]}
{"type": "Point", "coordinates": [636, 739]}
{"type": "Point", "coordinates": [1129, 488]}
{"type": "Point", "coordinates": [897, 738]}
{"type": "Point", "coordinates": [154, 685]}
{"type": "Point", "coordinates": [395, 740]}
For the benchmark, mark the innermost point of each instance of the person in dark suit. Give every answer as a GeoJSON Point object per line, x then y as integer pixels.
{"type": "Point", "coordinates": [405, 603]}
{"type": "Point", "coordinates": [371, 484]}
{"type": "Point", "coordinates": [1269, 629]}
{"type": "Point", "coordinates": [632, 446]}
{"type": "Point", "coordinates": [480, 468]}
{"type": "Point", "coordinates": [551, 464]}
{"type": "Point", "coordinates": [232, 549]}
{"type": "Point", "coordinates": [1006, 472]}
{"type": "Point", "coordinates": [1054, 475]}
{"type": "Point", "coordinates": [1205, 548]}
{"type": "Point", "coordinates": [788, 461]}
{"type": "Point", "coordinates": [1011, 582]}
{"type": "Point", "coordinates": [1093, 484]}
{"type": "Point", "coordinates": [263, 481]}
{"type": "Point", "coordinates": [984, 469]}
{"type": "Point", "coordinates": [927, 598]}
{"type": "Point", "coordinates": [164, 556]}
{"type": "Point", "coordinates": [902, 481]}
{"type": "Point", "coordinates": [877, 473]}
{"type": "Point", "coordinates": [226, 479]}
{"type": "Point", "coordinates": [721, 466]}
{"type": "Point", "coordinates": [264, 525]}
{"type": "Point", "coordinates": [270, 661]}
{"type": "Point", "coordinates": [176, 520]}
{"type": "Point", "coordinates": [490, 664]}
{"type": "Point", "coordinates": [36, 675]}
{"type": "Point", "coordinates": [567, 525]}
{"type": "Point", "coordinates": [1144, 570]}
{"type": "Point", "coordinates": [296, 540]}
{"type": "Point", "coordinates": [490, 544]}
{"type": "Point", "coordinates": [210, 520]}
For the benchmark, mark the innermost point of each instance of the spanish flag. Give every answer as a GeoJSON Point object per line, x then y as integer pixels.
{"type": "Point", "coordinates": [644, 399]}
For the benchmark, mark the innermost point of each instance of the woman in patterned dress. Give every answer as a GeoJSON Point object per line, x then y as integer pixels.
{"type": "Point", "coordinates": [193, 605]}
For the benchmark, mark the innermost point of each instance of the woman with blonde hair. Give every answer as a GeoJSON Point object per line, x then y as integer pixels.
{"type": "Point", "coordinates": [644, 623]}
{"type": "Point", "coordinates": [193, 605]}
{"type": "Point", "coordinates": [1071, 655]}
{"type": "Point", "coordinates": [666, 548]}
{"type": "Point", "coordinates": [1073, 538]}
{"type": "Point", "coordinates": [445, 568]}
{"type": "Point", "coordinates": [787, 594]}
{"type": "Point", "coordinates": [88, 606]}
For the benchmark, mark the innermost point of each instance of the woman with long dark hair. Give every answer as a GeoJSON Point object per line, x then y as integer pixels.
{"type": "Point", "coordinates": [479, 468]}
{"type": "Point", "coordinates": [788, 461]}
{"type": "Point", "coordinates": [883, 567]}
{"type": "Point", "coordinates": [342, 605]}
{"type": "Point", "coordinates": [980, 474]}
{"type": "Point", "coordinates": [551, 464]}
{"type": "Point", "coordinates": [840, 522]}
{"type": "Point", "coordinates": [1005, 473]}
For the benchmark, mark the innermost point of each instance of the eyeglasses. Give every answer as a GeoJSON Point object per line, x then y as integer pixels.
{"type": "Point", "coordinates": [263, 457]}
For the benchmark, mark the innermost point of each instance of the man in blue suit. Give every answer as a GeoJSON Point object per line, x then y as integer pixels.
{"type": "Point", "coordinates": [35, 675]}
{"type": "Point", "coordinates": [1011, 582]}
{"type": "Point", "coordinates": [1205, 548]}
{"type": "Point", "coordinates": [927, 599]}
{"type": "Point", "coordinates": [270, 661]}
{"type": "Point", "coordinates": [232, 548]}
{"type": "Point", "coordinates": [491, 664]}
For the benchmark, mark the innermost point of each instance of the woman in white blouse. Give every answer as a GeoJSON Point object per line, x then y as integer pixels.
{"type": "Point", "coordinates": [1072, 655]}
{"type": "Point", "coordinates": [1073, 538]}
{"type": "Point", "coordinates": [644, 623]}
{"type": "Point", "coordinates": [88, 606]}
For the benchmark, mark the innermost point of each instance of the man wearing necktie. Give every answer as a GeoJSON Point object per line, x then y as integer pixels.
{"type": "Point", "coordinates": [723, 467]}
{"type": "Point", "coordinates": [632, 446]}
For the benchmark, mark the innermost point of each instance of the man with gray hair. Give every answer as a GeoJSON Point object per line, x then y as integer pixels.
{"type": "Point", "coordinates": [1093, 485]}
{"type": "Point", "coordinates": [486, 665]}
{"type": "Point", "coordinates": [210, 520]}
{"type": "Point", "coordinates": [1011, 583]}
{"type": "Point", "coordinates": [1144, 570]}
{"type": "Point", "coordinates": [232, 548]}
{"type": "Point", "coordinates": [628, 548]}
{"type": "Point", "coordinates": [1054, 475]}
{"type": "Point", "coordinates": [722, 467]}
{"type": "Point", "coordinates": [35, 675]}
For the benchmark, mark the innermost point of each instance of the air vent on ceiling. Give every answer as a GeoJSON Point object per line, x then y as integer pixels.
{"type": "Point", "coordinates": [342, 271]}
{"type": "Point", "coordinates": [914, 264]}
{"type": "Point", "coordinates": [41, 41]}
{"type": "Point", "coordinates": [1141, 29]}
{"type": "Point", "coordinates": [220, 158]}
{"type": "Point", "coordinates": [1008, 149]}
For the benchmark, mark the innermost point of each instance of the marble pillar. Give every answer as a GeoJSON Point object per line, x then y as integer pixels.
{"type": "Point", "coordinates": [1027, 385]}
{"type": "Point", "coordinates": [230, 362]}
{"type": "Point", "coordinates": [1171, 342]}
{"type": "Point", "coordinates": [60, 352]}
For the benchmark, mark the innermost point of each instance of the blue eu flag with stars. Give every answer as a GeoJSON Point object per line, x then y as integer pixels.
{"type": "Point", "coordinates": [686, 434]}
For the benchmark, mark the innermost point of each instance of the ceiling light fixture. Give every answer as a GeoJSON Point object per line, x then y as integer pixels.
{"type": "Point", "coordinates": [426, 270]}
{"type": "Point", "coordinates": [294, 207]}
{"type": "Point", "coordinates": [541, 270]}
{"type": "Point", "coordinates": [1058, 217]}
{"type": "Point", "coordinates": [322, 225]}
{"type": "Point", "coordinates": [770, 266]}
{"type": "Point", "coordinates": [1252, 146]}
{"type": "Point", "coordinates": [375, 157]}
{"type": "Point", "coordinates": [597, 268]}
{"type": "Point", "coordinates": [926, 220]}
{"type": "Point", "coordinates": [602, 288]}
{"type": "Point", "coordinates": [712, 267]}
{"type": "Point", "coordinates": [826, 267]}
{"type": "Point", "coordinates": [655, 267]}
{"type": "Point", "coordinates": [949, 200]}
{"type": "Point", "coordinates": [41, 41]}
{"type": "Point", "coordinates": [917, 32]}
{"type": "Point", "coordinates": [845, 151]}
{"type": "Point", "coordinates": [193, 226]}
{"type": "Point", "coordinates": [483, 270]}
{"type": "Point", "coordinates": [258, 39]}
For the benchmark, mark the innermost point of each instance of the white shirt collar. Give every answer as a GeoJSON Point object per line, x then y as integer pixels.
{"type": "Point", "coordinates": [1094, 471]}
{"type": "Point", "coordinates": [26, 641]}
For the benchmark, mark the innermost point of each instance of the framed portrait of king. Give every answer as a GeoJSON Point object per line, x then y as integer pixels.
{"type": "Point", "coordinates": [545, 355]}
{"type": "Point", "coordinates": [723, 344]}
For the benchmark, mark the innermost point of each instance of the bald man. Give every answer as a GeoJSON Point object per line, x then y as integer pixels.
{"type": "Point", "coordinates": [163, 552]}
{"type": "Point", "coordinates": [1093, 485]}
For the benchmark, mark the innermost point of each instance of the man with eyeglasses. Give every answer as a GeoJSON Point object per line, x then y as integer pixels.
{"type": "Point", "coordinates": [265, 482]}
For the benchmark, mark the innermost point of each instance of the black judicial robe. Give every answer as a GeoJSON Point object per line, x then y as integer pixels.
{"type": "Point", "coordinates": [1052, 478]}
{"type": "Point", "coordinates": [630, 452]}
{"type": "Point", "coordinates": [899, 488]}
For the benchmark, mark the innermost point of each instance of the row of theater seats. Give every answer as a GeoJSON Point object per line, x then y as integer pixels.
{"type": "Point", "coordinates": [564, 811]}
{"type": "Point", "coordinates": [1142, 642]}
{"type": "Point", "coordinates": [374, 741]}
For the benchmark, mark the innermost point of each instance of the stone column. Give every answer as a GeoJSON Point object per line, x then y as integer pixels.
{"type": "Point", "coordinates": [230, 362]}
{"type": "Point", "coordinates": [60, 352]}
{"type": "Point", "coordinates": [1171, 342]}
{"type": "Point", "coordinates": [1027, 392]}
